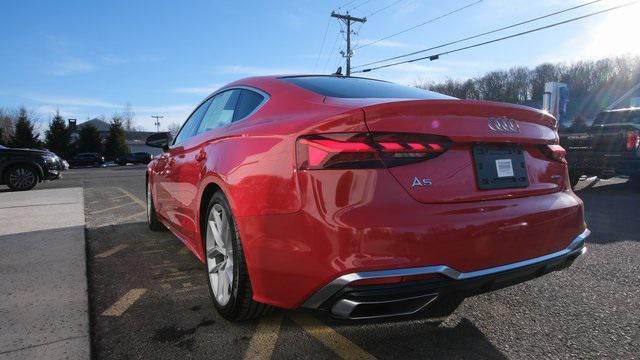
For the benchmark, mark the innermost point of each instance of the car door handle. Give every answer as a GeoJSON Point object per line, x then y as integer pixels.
{"type": "Point", "coordinates": [201, 156]}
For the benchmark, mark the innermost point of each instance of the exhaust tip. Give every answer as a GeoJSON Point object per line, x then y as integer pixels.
{"type": "Point", "coordinates": [351, 309]}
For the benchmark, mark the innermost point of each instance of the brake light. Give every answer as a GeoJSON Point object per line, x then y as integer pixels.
{"type": "Point", "coordinates": [366, 151]}
{"type": "Point", "coordinates": [632, 140]}
{"type": "Point", "coordinates": [555, 152]}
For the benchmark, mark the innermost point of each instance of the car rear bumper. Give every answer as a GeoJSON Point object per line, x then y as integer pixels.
{"type": "Point", "coordinates": [374, 301]}
{"type": "Point", "coordinates": [374, 226]}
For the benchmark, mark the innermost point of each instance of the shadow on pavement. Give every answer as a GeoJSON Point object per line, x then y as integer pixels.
{"type": "Point", "coordinates": [609, 205]}
{"type": "Point", "coordinates": [176, 316]}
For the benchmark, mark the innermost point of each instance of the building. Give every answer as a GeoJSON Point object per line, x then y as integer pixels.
{"type": "Point", "coordinates": [135, 139]}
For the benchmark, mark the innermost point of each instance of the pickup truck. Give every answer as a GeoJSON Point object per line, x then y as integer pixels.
{"type": "Point", "coordinates": [609, 147]}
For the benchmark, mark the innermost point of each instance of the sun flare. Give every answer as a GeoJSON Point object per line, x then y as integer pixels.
{"type": "Point", "coordinates": [616, 34]}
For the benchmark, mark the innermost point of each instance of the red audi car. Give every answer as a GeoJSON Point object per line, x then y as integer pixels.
{"type": "Point", "coordinates": [363, 198]}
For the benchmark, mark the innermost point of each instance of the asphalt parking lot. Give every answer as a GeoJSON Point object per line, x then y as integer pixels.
{"type": "Point", "coordinates": [148, 295]}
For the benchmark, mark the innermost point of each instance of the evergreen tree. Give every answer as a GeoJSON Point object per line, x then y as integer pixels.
{"type": "Point", "coordinates": [24, 135]}
{"type": "Point", "coordinates": [115, 143]}
{"type": "Point", "coordinates": [58, 136]}
{"type": "Point", "coordinates": [89, 139]}
{"type": "Point", "coordinates": [2, 136]}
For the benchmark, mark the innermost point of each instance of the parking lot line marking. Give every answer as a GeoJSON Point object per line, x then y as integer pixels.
{"type": "Point", "coordinates": [111, 208]}
{"type": "Point", "coordinates": [134, 198]}
{"type": "Point", "coordinates": [133, 216]}
{"type": "Point", "coordinates": [339, 344]}
{"type": "Point", "coordinates": [119, 197]}
{"type": "Point", "coordinates": [120, 306]}
{"type": "Point", "coordinates": [193, 289]}
{"type": "Point", "coordinates": [264, 339]}
{"type": "Point", "coordinates": [112, 251]}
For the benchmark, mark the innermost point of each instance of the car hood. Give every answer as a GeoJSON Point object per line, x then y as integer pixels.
{"type": "Point", "coordinates": [26, 151]}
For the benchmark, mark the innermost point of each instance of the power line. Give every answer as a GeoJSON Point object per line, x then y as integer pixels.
{"type": "Point", "coordinates": [324, 37]}
{"type": "Point", "coordinates": [346, 4]}
{"type": "Point", "coordinates": [385, 8]}
{"type": "Point", "coordinates": [479, 35]}
{"type": "Point", "coordinates": [333, 48]}
{"type": "Point", "coordinates": [359, 5]}
{"type": "Point", "coordinates": [436, 56]}
{"type": "Point", "coordinates": [421, 24]}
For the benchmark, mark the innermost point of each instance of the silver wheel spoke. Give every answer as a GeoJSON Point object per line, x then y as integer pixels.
{"type": "Point", "coordinates": [219, 254]}
{"type": "Point", "coordinates": [218, 267]}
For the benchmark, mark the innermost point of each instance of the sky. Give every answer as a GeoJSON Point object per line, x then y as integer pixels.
{"type": "Point", "coordinates": [89, 58]}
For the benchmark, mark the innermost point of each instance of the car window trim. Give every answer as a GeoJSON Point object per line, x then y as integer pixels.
{"type": "Point", "coordinates": [174, 142]}
{"type": "Point", "coordinates": [264, 94]}
{"type": "Point", "coordinates": [205, 113]}
{"type": "Point", "coordinates": [265, 98]}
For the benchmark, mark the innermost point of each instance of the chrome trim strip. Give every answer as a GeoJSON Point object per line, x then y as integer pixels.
{"type": "Point", "coordinates": [322, 295]}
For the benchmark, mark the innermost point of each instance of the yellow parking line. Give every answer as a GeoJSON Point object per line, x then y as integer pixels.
{"type": "Point", "coordinates": [133, 216]}
{"type": "Point", "coordinates": [265, 337]}
{"type": "Point", "coordinates": [124, 302]}
{"type": "Point", "coordinates": [112, 251]}
{"type": "Point", "coordinates": [133, 197]}
{"type": "Point", "coordinates": [329, 337]}
{"type": "Point", "coordinates": [110, 208]}
{"type": "Point", "coordinates": [119, 197]}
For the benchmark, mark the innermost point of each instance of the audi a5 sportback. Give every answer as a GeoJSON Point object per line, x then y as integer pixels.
{"type": "Point", "coordinates": [362, 198]}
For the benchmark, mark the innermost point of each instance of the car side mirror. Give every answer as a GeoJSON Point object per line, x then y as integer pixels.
{"type": "Point", "coordinates": [159, 140]}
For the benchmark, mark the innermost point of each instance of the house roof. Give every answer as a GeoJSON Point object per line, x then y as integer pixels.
{"type": "Point", "coordinates": [99, 124]}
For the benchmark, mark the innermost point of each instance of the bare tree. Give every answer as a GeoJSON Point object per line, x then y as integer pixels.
{"type": "Point", "coordinates": [6, 126]}
{"type": "Point", "coordinates": [173, 128]}
{"type": "Point", "coordinates": [128, 116]}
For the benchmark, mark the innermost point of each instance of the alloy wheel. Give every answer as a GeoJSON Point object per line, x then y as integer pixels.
{"type": "Point", "coordinates": [219, 249]}
{"type": "Point", "coordinates": [22, 178]}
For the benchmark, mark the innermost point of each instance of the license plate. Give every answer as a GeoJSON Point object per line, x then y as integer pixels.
{"type": "Point", "coordinates": [500, 167]}
{"type": "Point", "coordinates": [504, 168]}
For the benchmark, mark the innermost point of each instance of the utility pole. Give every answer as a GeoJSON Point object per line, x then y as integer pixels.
{"type": "Point", "coordinates": [348, 19]}
{"type": "Point", "coordinates": [157, 122]}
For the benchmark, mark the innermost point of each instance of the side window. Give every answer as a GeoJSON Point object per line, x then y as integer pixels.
{"type": "Point", "coordinates": [247, 103]}
{"type": "Point", "coordinates": [220, 112]}
{"type": "Point", "coordinates": [190, 126]}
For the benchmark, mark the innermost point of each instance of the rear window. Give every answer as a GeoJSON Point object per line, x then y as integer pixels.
{"type": "Point", "coordinates": [353, 87]}
{"type": "Point", "coordinates": [618, 117]}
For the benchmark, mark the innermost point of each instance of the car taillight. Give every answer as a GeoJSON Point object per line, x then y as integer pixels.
{"type": "Point", "coordinates": [366, 151]}
{"type": "Point", "coordinates": [632, 140]}
{"type": "Point", "coordinates": [554, 152]}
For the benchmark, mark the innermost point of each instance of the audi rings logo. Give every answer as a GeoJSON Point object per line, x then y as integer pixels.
{"type": "Point", "coordinates": [504, 124]}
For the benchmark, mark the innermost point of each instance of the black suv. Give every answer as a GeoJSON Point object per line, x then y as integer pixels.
{"type": "Point", "coordinates": [87, 159]}
{"type": "Point", "coordinates": [22, 169]}
{"type": "Point", "coordinates": [134, 158]}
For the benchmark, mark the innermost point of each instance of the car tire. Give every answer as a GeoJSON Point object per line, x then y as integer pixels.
{"type": "Point", "coordinates": [21, 178]}
{"type": "Point", "coordinates": [232, 298]}
{"type": "Point", "coordinates": [152, 217]}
